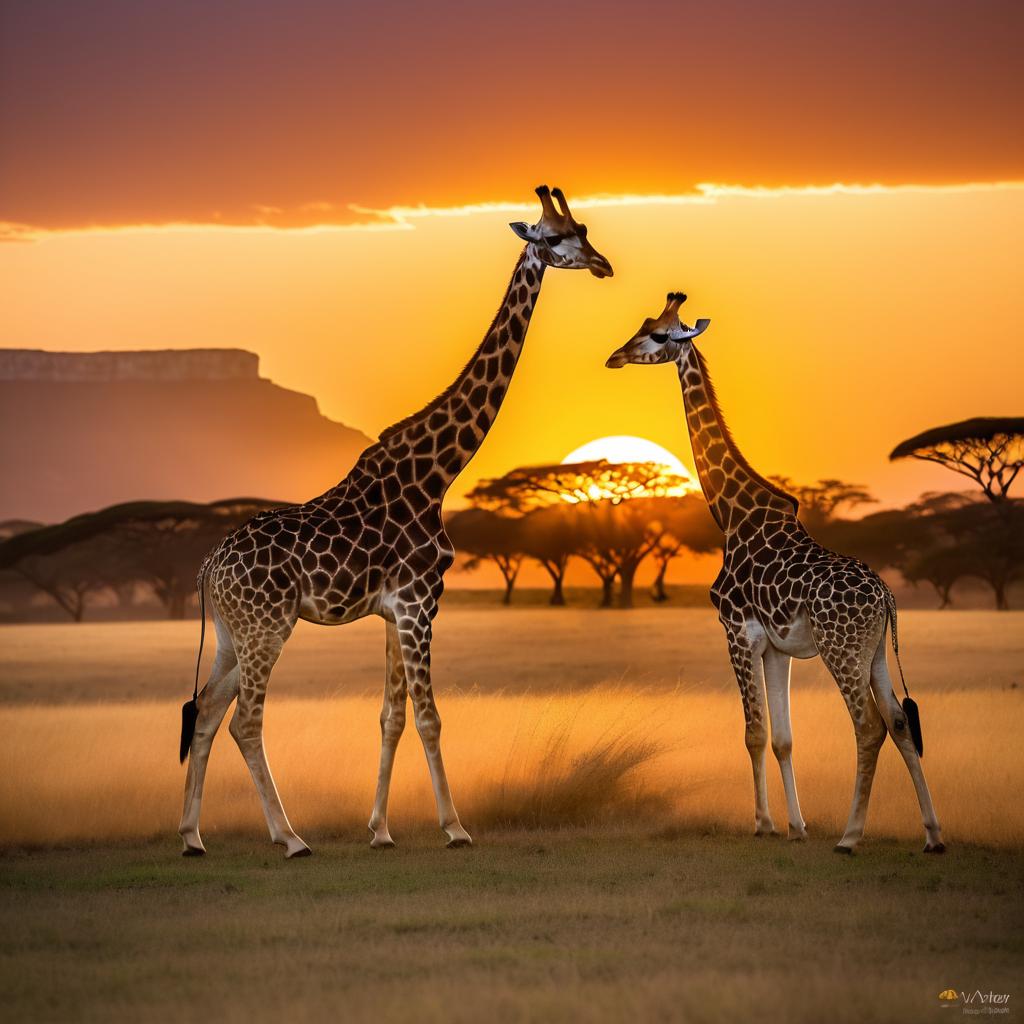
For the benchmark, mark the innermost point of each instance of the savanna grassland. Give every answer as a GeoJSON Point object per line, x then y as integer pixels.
{"type": "Point", "coordinates": [598, 760]}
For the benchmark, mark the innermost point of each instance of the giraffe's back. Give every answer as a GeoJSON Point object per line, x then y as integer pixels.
{"type": "Point", "coordinates": [777, 574]}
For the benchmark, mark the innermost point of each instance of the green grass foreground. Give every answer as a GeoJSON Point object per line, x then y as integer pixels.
{"type": "Point", "coordinates": [586, 925]}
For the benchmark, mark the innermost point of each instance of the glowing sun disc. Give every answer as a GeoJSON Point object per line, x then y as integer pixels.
{"type": "Point", "coordinates": [625, 448]}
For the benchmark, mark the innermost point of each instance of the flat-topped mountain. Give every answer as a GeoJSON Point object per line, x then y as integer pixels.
{"type": "Point", "coordinates": [79, 431]}
{"type": "Point", "coordinates": [159, 364]}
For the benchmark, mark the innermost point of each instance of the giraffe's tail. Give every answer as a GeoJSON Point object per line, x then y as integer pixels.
{"type": "Point", "coordinates": [909, 705]}
{"type": "Point", "coordinates": [190, 709]}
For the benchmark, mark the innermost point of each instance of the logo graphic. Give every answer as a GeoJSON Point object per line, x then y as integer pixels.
{"type": "Point", "coordinates": [976, 1003]}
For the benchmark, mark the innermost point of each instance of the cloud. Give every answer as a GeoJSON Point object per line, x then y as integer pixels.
{"type": "Point", "coordinates": [322, 216]}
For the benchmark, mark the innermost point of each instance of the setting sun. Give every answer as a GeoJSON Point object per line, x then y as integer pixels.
{"type": "Point", "coordinates": [626, 448]}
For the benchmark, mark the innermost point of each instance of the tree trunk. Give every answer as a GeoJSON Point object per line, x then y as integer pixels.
{"type": "Point", "coordinates": [607, 591]}
{"type": "Point", "coordinates": [658, 591]}
{"type": "Point", "coordinates": [626, 575]}
{"type": "Point", "coordinates": [557, 574]}
{"type": "Point", "coordinates": [1000, 591]}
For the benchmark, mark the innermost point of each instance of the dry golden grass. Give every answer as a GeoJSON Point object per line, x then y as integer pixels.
{"type": "Point", "coordinates": [661, 759]}
{"type": "Point", "coordinates": [514, 650]}
{"type": "Point", "coordinates": [646, 908]}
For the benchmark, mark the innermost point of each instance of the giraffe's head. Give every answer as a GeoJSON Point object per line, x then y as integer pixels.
{"type": "Point", "coordinates": [658, 341]}
{"type": "Point", "coordinates": [558, 239]}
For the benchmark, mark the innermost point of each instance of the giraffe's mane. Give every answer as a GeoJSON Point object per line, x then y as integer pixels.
{"type": "Point", "coordinates": [709, 389]}
{"type": "Point", "coordinates": [434, 403]}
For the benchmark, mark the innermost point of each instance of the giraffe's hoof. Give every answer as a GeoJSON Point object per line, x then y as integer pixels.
{"type": "Point", "coordinates": [935, 848]}
{"type": "Point", "coordinates": [302, 851]}
{"type": "Point", "coordinates": [384, 842]}
{"type": "Point", "coordinates": [797, 835]}
{"type": "Point", "coordinates": [192, 843]}
{"type": "Point", "coordinates": [846, 850]}
{"type": "Point", "coordinates": [457, 836]}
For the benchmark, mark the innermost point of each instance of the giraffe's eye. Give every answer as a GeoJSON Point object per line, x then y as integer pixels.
{"type": "Point", "coordinates": [552, 240]}
{"type": "Point", "coordinates": [659, 339]}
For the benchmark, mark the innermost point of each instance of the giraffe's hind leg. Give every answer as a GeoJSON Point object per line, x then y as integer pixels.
{"type": "Point", "coordinates": [776, 676]}
{"type": "Point", "coordinates": [746, 646]}
{"type": "Point", "coordinates": [257, 655]}
{"type": "Point", "coordinates": [216, 697]}
{"type": "Point", "coordinates": [849, 662]}
{"type": "Point", "coordinates": [896, 723]}
{"type": "Point", "coordinates": [392, 724]}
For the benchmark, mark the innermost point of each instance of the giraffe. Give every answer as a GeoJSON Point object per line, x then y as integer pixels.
{"type": "Point", "coordinates": [781, 595]}
{"type": "Point", "coordinates": [374, 544]}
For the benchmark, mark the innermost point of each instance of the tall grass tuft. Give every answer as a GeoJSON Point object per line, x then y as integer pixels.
{"type": "Point", "coordinates": [597, 785]}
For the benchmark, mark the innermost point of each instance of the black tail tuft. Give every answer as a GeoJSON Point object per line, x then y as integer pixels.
{"type": "Point", "coordinates": [914, 723]}
{"type": "Point", "coordinates": [190, 709]}
{"type": "Point", "coordinates": [189, 714]}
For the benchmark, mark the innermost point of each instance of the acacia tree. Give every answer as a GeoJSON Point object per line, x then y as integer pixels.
{"type": "Point", "coordinates": [72, 574]}
{"type": "Point", "coordinates": [548, 535]}
{"type": "Point", "coordinates": [820, 502]}
{"type": "Point", "coordinates": [688, 525]}
{"type": "Point", "coordinates": [488, 536]}
{"type": "Point", "coordinates": [612, 534]}
{"type": "Point", "coordinates": [161, 543]}
{"type": "Point", "coordinates": [987, 449]}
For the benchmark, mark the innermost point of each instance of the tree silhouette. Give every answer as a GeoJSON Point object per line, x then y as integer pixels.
{"type": "Point", "coordinates": [611, 532]}
{"type": "Point", "coordinates": [820, 502]}
{"type": "Point", "coordinates": [549, 536]}
{"type": "Point", "coordinates": [488, 536]}
{"type": "Point", "coordinates": [161, 543]}
{"type": "Point", "coordinates": [988, 450]}
{"type": "Point", "coordinates": [688, 525]}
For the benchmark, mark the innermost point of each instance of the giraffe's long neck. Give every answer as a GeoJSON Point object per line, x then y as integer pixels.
{"type": "Point", "coordinates": [439, 440]}
{"type": "Point", "coordinates": [734, 490]}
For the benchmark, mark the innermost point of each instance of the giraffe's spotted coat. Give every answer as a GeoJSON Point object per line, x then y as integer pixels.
{"type": "Point", "coordinates": [375, 544]}
{"type": "Point", "coordinates": [781, 594]}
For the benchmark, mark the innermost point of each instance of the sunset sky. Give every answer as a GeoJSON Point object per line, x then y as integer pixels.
{"type": "Point", "coordinates": [293, 179]}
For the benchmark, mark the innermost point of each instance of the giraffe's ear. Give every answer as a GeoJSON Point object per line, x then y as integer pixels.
{"type": "Point", "coordinates": [525, 231]}
{"type": "Point", "coordinates": [685, 332]}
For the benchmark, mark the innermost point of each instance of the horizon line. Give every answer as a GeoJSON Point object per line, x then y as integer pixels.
{"type": "Point", "coordinates": [403, 217]}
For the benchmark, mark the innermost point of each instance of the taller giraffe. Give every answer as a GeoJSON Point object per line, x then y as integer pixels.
{"type": "Point", "coordinates": [780, 595]}
{"type": "Point", "coordinates": [374, 544]}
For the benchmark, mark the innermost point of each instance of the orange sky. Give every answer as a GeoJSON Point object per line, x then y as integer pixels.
{"type": "Point", "coordinates": [843, 320]}
{"type": "Point", "coordinates": [841, 323]}
{"type": "Point", "coordinates": [125, 111]}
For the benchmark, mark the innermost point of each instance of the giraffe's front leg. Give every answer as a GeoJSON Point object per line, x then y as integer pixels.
{"type": "Point", "coordinates": [414, 631]}
{"type": "Point", "coordinates": [392, 724]}
{"type": "Point", "coordinates": [745, 653]}
{"type": "Point", "coordinates": [776, 667]}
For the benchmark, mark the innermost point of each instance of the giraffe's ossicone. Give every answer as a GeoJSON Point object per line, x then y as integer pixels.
{"type": "Point", "coordinates": [374, 544]}
{"type": "Point", "coordinates": [782, 595]}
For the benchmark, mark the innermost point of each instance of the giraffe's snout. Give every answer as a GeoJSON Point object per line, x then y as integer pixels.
{"type": "Point", "coordinates": [616, 360]}
{"type": "Point", "coordinates": [599, 266]}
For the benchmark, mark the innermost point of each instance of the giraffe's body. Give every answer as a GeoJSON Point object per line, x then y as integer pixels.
{"type": "Point", "coordinates": [375, 544]}
{"type": "Point", "coordinates": [781, 595]}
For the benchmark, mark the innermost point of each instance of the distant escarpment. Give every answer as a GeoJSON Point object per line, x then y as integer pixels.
{"type": "Point", "coordinates": [80, 431]}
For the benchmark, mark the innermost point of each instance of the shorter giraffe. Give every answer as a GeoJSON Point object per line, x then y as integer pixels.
{"type": "Point", "coordinates": [780, 596]}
